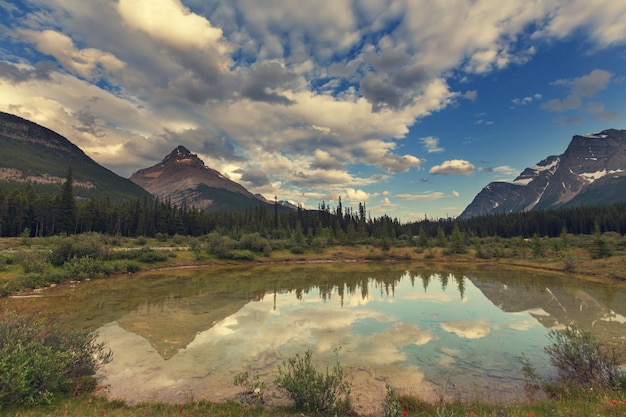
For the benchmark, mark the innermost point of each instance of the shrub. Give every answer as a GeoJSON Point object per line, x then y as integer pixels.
{"type": "Point", "coordinates": [33, 262]}
{"type": "Point", "coordinates": [580, 359]}
{"type": "Point", "coordinates": [220, 245]}
{"type": "Point", "coordinates": [254, 242]}
{"type": "Point", "coordinates": [253, 387]}
{"type": "Point", "coordinates": [133, 267]}
{"type": "Point", "coordinates": [39, 360]}
{"type": "Point", "coordinates": [92, 245]}
{"type": "Point", "coordinates": [85, 267]}
{"type": "Point", "coordinates": [310, 389]}
{"type": "Point", "coordinates": [296, 250]}
{"type": "Point", "coordinates": [150, 256]}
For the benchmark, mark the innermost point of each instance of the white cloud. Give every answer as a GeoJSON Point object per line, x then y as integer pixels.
{"type": "Point", "coordinates": [432, 195]}
{"type": "Point", "coordinates": [526, 100]}
{"type": "Point", "coordinates": [454, 167]}
{"type": "Point", "coordinates": [88, 62]}
{"type": "Point", "coordinates": [506, 170]}
{"type": "Point", "coordinates": [605, 20]}
{"type": "Point", "coordinates": [171, 23]}
{"type": "Point", "coordinates": [431, 144]}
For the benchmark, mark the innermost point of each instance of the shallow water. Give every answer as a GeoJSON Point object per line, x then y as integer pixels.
{"type": "Point", "coordinates": [431, 331]}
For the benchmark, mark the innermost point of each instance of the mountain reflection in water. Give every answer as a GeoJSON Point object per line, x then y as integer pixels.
{"type": "Point", "coordinates": [434, 331]}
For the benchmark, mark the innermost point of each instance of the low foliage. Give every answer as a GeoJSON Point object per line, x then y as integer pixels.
{"type": "Point", "coordinates": [252, 387]}
{"type": "Point", "coordinates": [580, 359]}
{"type": "Point", "coordinates": [391, 405]}
{"type": "Point", "coordinates": [310, 389]}
{"type": "Point", "coordinates": [39, 361]}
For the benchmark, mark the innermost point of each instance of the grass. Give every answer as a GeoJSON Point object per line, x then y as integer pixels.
{"type": "Point", "coordinates": [588, 404]}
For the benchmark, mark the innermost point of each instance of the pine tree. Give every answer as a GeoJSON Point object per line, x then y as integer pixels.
{"type": "Point", "coordinates": [66, 211]}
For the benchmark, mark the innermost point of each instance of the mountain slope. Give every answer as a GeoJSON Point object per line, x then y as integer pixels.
{"type": "Point", "coordinates": [35, 154]}
{"type": "Point", "coordinates": [183, 178]}
{"type": "Point", "coordinates": [592, 170]}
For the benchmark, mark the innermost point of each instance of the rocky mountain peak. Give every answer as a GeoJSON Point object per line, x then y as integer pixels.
{"type": "Point", "coordinates": [183, 178]}
{"type": "Point", "coordinates": [182, 155]}
{"type": "Point", "coordinates": [592, 170]}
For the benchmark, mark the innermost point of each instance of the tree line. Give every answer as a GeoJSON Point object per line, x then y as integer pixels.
{"type": "Point", "coordinates": [24, 212]}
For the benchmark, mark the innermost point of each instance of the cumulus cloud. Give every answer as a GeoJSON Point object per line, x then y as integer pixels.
{"type": "Point", "coordinates": [88, 62]}
{"type": "Point", "coordinates": [453, 167]}
{"type": "Point", "coordinates": [324, 160]}
{"type": "Point", "coordinates": [171, 23]}
{"type": "Point", "coordinates": [255, 178]}
{"type": "Point", "coordinates": [397, 163]}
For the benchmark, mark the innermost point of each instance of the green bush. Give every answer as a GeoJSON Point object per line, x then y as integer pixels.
{"type": "Point", "coordinates": [33, 261]}
{"type": "Point", "coordinates": [580, 359]}
{"type": "Point", "coordinates": [85, 267]}
{"type": "Point", "coordinates": [150, 256]}
{"type": "Point", "coordinates": [254, 242]}
{"type": "Point", "coordinates": [39, 360]}
{"type": "Point", "coordinates": [133, 267]}
{"type": "Point", "coordinates": [310, 389]}
{"type": "Point", "coordinates": [92, 245]}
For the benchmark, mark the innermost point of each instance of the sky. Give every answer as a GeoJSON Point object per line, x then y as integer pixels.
{"type": "Point", "coordinates": [408, 106]}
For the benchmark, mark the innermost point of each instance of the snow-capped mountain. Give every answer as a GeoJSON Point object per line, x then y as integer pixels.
{"type": "Point", "coordinates": [592, 170]}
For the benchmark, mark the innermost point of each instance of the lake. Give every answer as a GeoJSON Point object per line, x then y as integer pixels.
{"type": "Point", "coordinates": [431, 331]}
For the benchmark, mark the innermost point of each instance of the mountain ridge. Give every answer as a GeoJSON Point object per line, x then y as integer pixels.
{"type": "Point", "coordinates": [593, 167]}
{"type": "Point", "coordinates": [42, 157]}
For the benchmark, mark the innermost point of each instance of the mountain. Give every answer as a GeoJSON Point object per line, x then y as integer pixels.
{"type": "Point", "coordinates": [592, 170]}
{"type": "Point", "coordinates": [183, 178]}
{"type": "Point", "coordinates": [34, 154]}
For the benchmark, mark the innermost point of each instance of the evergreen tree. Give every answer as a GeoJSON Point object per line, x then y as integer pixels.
{"type": "Point", "coordinates": [457, 244]}
{"type": "Point", "coordinates": [66, 211]}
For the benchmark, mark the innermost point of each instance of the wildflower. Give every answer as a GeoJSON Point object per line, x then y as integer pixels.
{"type": "Point", "coordinates": [472, 414]}
{"type": "Point", "coordinates": [180, 410]}
{"type": "Point", "coordinates": [404, 413]}
{"type": "Point", "coordinates": [89, 399]}
{"type": "Point", "coordinates": [614, 402]}
{"type": "Point", "coordinates": [531, 415]}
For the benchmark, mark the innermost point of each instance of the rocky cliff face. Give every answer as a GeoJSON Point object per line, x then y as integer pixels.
{"type": "Point", "coordinates": [183, 178]}
{"type": "Point", "coordinates": [592, 170]}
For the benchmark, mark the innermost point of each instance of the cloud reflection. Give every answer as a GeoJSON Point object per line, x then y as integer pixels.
{"type": "Point", "coordinates": [467, 329]}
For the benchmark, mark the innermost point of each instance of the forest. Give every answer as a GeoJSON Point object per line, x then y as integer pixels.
{"type": "Point", "coordinates": [25, 212]}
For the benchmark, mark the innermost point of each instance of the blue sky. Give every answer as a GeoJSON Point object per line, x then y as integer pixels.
{"type": "Point", "coordinates": [409, 106]}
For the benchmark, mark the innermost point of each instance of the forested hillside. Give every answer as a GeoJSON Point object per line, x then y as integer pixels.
{"type": "Point", "coordinates": [25, 212]}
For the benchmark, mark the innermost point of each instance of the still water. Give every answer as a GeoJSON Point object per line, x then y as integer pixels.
{"type": "Point", "coordinates": [428, 331]}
